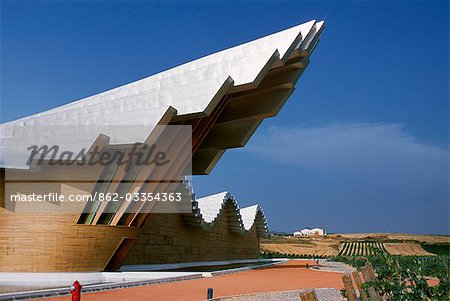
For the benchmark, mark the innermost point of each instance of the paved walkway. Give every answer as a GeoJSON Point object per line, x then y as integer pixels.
{"type": "Point", "coordinates": [292, 275]}
{"type": "Point", "coordinates": [333, 266]}
{"type": "Point", "coordinates": [323, 294]}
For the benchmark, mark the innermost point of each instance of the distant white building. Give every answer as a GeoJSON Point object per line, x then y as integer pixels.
{"type": "Point", "coordinates": [309, 232]}
{"type": "Point", "coordinates": [318, 231]}
{"type": "Point", "coordinates": [306, 232]}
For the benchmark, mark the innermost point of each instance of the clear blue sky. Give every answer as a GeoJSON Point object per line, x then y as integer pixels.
{"type": "Point", "coordinates": [362, 145]}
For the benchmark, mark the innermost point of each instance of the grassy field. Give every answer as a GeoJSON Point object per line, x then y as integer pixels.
{"type": "Point", "coordinates": [360, 244]}
{"type": "Point", "coordinates": [307, 246]}
{"type": "Point", "coordinates": [406, 249]}
{"type": "Point", "coordinates": [383, 237]}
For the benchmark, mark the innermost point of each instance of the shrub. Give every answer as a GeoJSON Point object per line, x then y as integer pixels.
{"type": "Point", "coordinates": [405, 277]}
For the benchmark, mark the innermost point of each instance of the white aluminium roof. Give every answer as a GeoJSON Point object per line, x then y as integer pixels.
{"type": "Point", "coordinates": [211, 207]}
{"type": "Point", "coordinates": [189, 89]}
{"type": "Point", "coordinates": [248, 215]}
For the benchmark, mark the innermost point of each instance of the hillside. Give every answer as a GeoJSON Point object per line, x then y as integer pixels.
{"type": "Point", "coordinates": [353, 244]}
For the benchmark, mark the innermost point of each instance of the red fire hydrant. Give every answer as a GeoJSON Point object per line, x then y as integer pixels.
{"type": "Point", "coordinates": [75, 290]}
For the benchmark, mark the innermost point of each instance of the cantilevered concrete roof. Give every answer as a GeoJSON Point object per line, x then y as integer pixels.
{"type": "Point", "coordinates": [235, 88]}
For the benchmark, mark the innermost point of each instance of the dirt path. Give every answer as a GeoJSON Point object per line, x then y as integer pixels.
{"type": "Point", "coordinates": [292, 275]}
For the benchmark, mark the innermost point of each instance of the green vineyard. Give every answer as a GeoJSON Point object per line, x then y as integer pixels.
{"type": "Point", "coordinates": [361, 248]}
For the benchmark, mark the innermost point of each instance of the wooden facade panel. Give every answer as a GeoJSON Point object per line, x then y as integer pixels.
{"type": "Point", "coordinates": [50, 243]}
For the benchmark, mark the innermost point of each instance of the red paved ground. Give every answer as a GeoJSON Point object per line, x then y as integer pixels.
{"type": "Point", "coordinates": [292, 275]}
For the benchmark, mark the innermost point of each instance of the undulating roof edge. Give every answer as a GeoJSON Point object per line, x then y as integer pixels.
{"type": "Point", "coordinates": [209, 209]}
